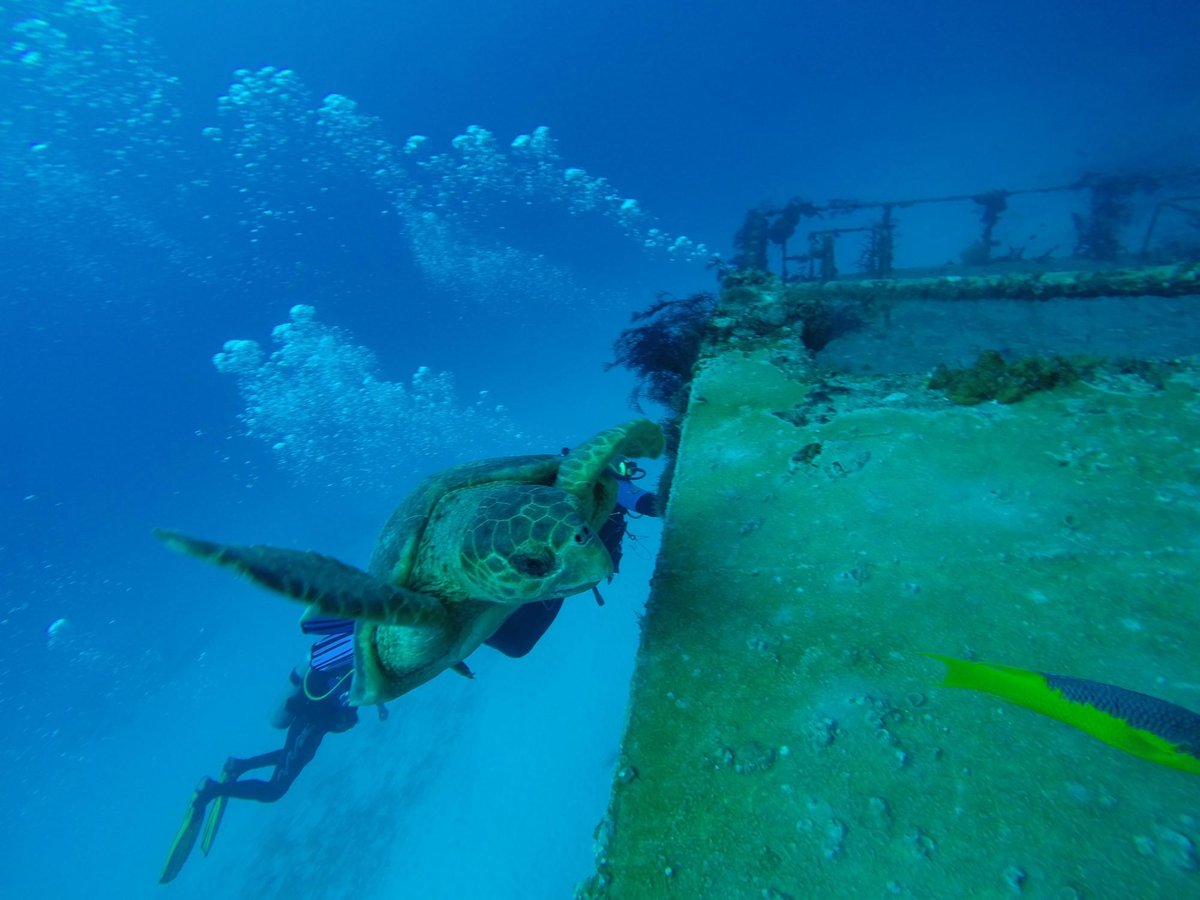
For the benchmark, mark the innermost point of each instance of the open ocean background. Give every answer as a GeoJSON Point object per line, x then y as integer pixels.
{"type": "Point", "coordinates": [161, 194]}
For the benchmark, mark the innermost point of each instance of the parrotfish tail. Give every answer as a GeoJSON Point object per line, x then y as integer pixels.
{"type": "Point", "coordinates": [1174, 724]}
{"type": "Point", "coordinates": [334, 588]}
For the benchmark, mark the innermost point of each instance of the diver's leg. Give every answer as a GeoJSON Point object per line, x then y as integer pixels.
{"type": "Point", "coordinates": [298, 752]}
{"type": "Point", "coordinates": [250, 789]}
{"type": "Point", "coordinates": [233, 769]}
{"type": "Point", "coordinates": [303, 739]}
{"type": "Point", "coordinates": [235, 766]}
{"type": "Point", "coordinates": [220, 790]}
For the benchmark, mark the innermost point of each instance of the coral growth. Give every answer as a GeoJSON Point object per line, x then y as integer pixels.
{"type": "Point", "coordinates": [993, 378]}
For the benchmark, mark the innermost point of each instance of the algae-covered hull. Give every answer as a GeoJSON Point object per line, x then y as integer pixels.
{"type": "Point", "coordinates": [786, 737]}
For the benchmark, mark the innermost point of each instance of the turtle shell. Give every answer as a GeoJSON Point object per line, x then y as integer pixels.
{"type": "Point", "coordinates": [399, 543]}
{"type": "Point", "coordinates": [582, 473]}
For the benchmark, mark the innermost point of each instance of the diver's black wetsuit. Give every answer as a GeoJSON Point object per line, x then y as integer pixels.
{"type": "Point", "coordinates": [317, 707]}
{"type": "Point", "coordinates": [525, 627]}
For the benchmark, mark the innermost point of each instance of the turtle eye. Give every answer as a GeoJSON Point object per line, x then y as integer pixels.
{"type": "Point", "coordinates": [583, 536]}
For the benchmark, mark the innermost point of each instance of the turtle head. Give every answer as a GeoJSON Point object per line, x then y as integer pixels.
{"type": "Point", "coordinates": [531, 542]}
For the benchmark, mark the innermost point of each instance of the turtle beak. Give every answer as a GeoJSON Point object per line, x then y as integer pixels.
{"type": "Point", "coordinates": [590, 563]}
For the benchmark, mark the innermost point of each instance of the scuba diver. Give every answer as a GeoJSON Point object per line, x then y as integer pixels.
{"type": "Point", "coordinates": [317, 705]}
{"type": "Point", "coordinates": [319, 700]}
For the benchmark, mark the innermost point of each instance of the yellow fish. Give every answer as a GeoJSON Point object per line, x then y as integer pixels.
{"type": "Point", "coordinates": [1136, 723]}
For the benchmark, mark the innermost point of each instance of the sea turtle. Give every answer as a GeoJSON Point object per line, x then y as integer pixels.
{"type": "Point", "coordinates": [466, 548]}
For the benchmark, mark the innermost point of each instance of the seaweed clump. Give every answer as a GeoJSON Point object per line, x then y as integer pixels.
{"type": "Point", "coordinates": [663, 348]}
{"type": "Point", "coordinates": [993, 378]}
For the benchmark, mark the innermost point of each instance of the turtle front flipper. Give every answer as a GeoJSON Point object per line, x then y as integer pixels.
{"type": "Point", "coordinates": [332, 586]}
{"type": "Point", "coordinates": [581, 473]}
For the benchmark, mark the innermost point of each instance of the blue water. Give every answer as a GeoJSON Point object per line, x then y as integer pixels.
{"type": "Point", "coordinates": [163, 192]}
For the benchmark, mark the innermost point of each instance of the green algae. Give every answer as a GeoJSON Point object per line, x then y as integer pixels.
{"type": "Point", "coordinates": [994, 378]}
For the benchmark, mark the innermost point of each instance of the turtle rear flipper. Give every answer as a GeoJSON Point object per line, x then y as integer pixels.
{"type": "Point", "coordinates": [330, 585]}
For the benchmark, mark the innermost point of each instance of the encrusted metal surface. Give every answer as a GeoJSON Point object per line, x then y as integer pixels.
{"type": "Point", "coordinates": [785, 736]}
